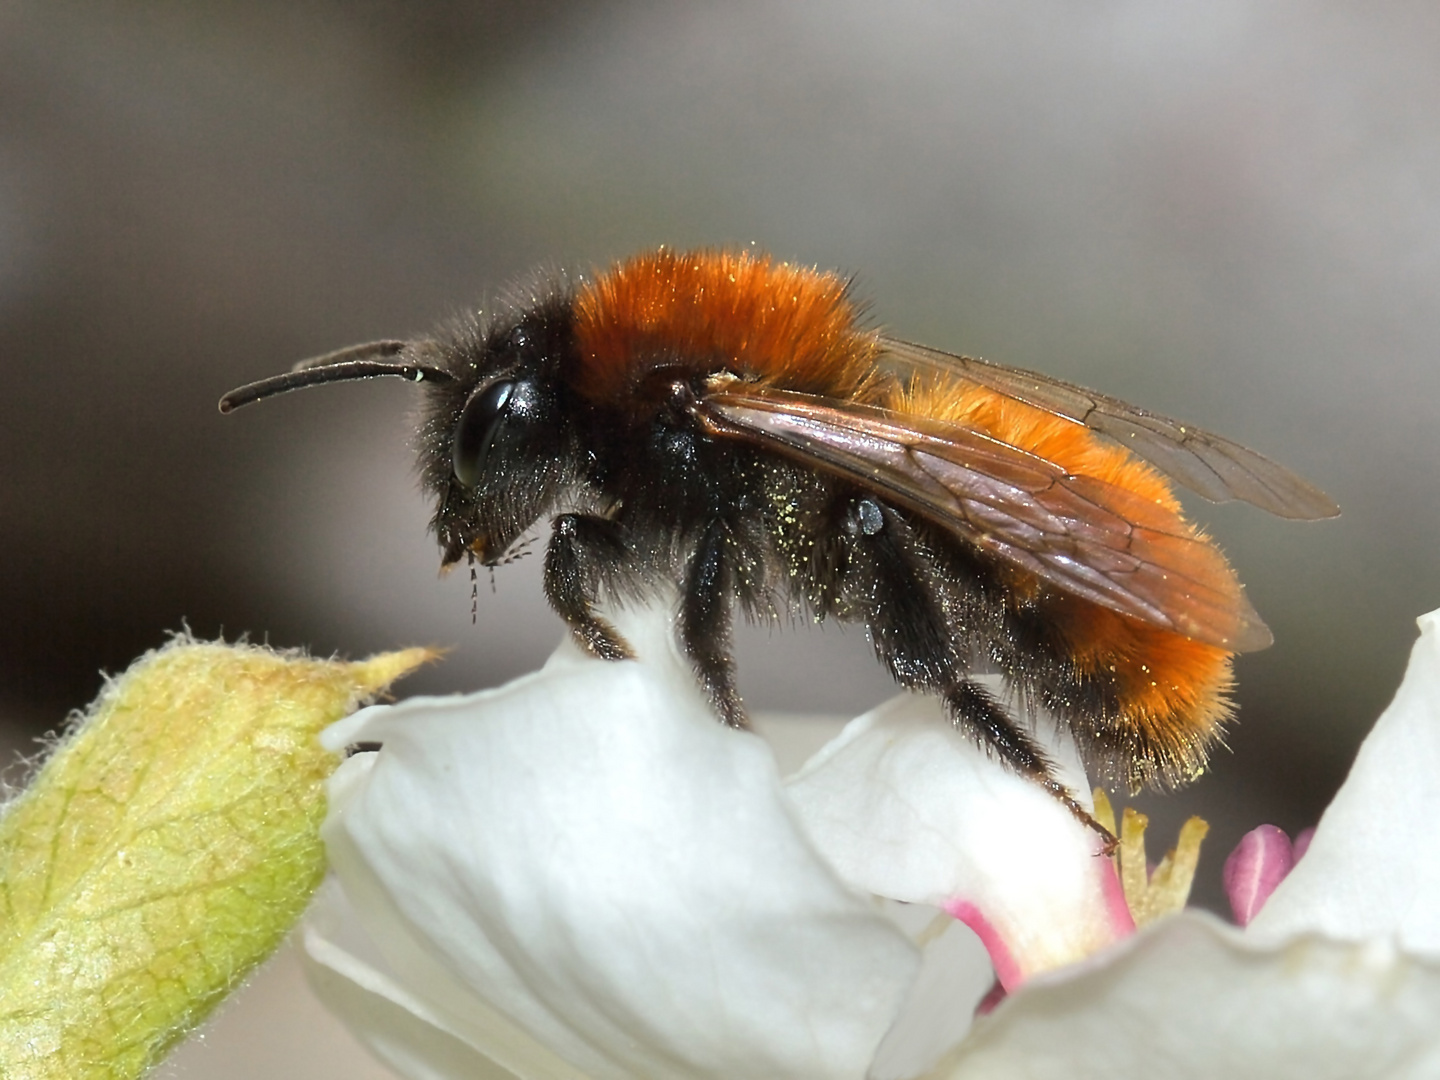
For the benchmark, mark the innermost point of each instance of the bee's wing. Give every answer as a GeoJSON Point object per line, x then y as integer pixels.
{"type": "Point", "coordinates": [1207, 464]}
{"type": "Point", "coordinates": [1095, 540]}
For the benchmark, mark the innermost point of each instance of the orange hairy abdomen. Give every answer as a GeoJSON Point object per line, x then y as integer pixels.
{"type": "Point", "coordinates": [1169, 690]}
{"type": "Point", "coordinates": [778, 324]}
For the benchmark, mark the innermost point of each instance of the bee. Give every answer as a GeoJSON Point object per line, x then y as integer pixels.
{"type": "Point", "coordinates": [729, 423]}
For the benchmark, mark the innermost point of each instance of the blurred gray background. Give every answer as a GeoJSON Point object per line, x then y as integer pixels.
{"type": "Point", "coordinates": [1221, 210]}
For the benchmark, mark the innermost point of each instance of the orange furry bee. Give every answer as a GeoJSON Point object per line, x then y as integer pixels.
{"type": "Point", "coordinates": [725, 421]}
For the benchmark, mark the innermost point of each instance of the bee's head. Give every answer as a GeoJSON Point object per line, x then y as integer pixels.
{"type": "Point", "coordinates": [495, 447]}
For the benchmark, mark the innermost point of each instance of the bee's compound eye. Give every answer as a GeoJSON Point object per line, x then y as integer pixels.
{"type": "Point", "coordinates": [476, 431]}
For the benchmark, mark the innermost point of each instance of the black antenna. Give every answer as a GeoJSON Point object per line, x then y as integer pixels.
{"type": "Point", "coordinates": [368, 361]}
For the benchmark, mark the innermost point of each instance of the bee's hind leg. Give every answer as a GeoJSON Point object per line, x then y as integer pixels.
{"type": "Point", "coordinates": [917, 641]}
{"type": "Point", "coordinates": [974, 709]}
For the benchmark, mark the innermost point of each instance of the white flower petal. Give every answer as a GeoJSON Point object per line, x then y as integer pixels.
{"type": "Point", "coordinates": [955, 975]}
{"type": "Point", "coordinates": [906, 807]}
{"type": "Point", "coordinates": [1373, 867]}
{"type": "Point", "coordinates": [354, 981]}
{"type": "Point", "coordinates": [590, 853]}
{"type": "Point", "coordinates": [1191, 997]}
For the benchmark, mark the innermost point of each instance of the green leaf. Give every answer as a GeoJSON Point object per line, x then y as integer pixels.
{"type": "Point", "coordinates": [165, 848]}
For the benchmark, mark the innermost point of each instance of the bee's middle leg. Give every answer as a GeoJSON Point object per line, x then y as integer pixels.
{"type": "Point", "coordinates": [706, 615]}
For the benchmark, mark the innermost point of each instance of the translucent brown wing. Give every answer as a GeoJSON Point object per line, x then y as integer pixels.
{"type": "Point", "coordinates": [1095, 540]}
{"type": "Point", "coordinates": [1207, 464]}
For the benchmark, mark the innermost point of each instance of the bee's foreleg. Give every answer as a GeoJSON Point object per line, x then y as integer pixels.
{"type": "Point", "coordinates": [582, 549]}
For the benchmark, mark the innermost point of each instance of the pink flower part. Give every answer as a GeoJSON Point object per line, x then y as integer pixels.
{"type": "Point", "coordinates": [991, 1000]}
{"type": "Point", "coordinates": [908, 808]}
{"type": "Point", "coordinates": [1114, 895]}
{"type": "Point", "coordinates": [1302, 842]}
{"type": "Point", "coordinates": [1257, 865]}
{"type": "Point", "coordinates": [997, 934]}
{"type": "Point", "coordinates": [1007, 968]}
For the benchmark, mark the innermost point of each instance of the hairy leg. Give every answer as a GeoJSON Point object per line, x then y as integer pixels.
{"type": "Point", "coordinates": [582, 547]}
{"type": "Point", "coordinates": [915, 638]}
{"type": "Point", "coordinates": [705, 620]}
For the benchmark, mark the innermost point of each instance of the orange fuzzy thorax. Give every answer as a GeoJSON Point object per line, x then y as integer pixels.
{"type": "Point", "coordinates": [793, 327]}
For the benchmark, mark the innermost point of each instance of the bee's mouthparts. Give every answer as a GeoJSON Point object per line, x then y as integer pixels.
{"type": "Point", "coordinates": [477, 550]}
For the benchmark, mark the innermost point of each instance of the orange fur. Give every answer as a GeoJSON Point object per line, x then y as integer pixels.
{"type": "Point", "coordinates": [1074, 447]}
{"type": "Point", "coordinates": [788, 326]}
{"type": "Point", "coordinates": [1171, 690]}
{"type": "Point", "coordinates": [796, 328]}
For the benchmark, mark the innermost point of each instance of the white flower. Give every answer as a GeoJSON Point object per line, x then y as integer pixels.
{"type": "Point", "coordinates": [581, 874]}
{"type": "Point", "coordinates": [906, 807]}
{"type": "Point", "coordinates": [587, 859]}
